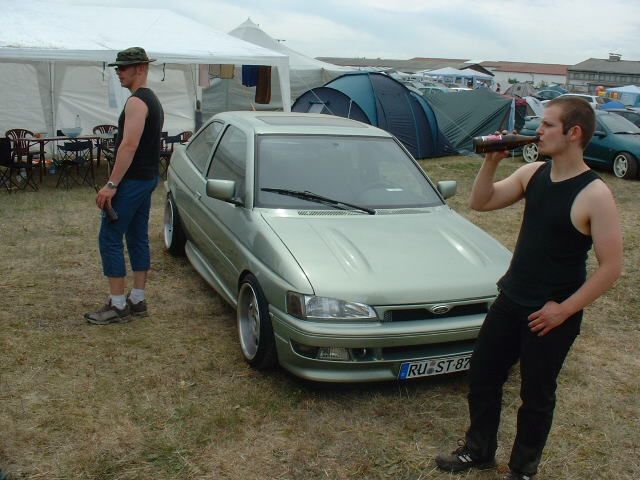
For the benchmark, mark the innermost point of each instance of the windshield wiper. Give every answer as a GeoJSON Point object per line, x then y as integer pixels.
{"type": "Point", "coordinates": [626, 133]}
{"type": "Point", "coordinates": [314, 197]}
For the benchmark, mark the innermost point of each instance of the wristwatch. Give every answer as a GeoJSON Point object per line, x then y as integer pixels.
{"type": "Point", "coordinates": [111, 185]}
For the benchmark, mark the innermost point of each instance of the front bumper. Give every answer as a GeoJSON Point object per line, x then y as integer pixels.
{"type": "Point", "coordinates": [377, 349]}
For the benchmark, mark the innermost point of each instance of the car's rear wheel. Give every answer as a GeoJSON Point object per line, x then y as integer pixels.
{"type": "Point", "coordinates": [254, 325]}
{"type": "Point", "coordinates": [625, 166]}
{"type": "Point", "coordinates": [530, 153]}
{"type": "Point", "coordinates": [174, 236]}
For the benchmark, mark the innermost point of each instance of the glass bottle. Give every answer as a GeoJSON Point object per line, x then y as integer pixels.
{"type": "Point", "coordinates": [499, 143]}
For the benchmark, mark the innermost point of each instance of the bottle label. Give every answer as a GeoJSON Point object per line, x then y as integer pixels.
{"type": "Point", "coordinates": [490, 138]}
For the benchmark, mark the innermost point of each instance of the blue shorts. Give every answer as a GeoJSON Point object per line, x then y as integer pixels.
{"type": "Point", "coordinates": [132, 203]}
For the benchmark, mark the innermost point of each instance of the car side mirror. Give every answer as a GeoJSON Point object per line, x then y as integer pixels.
{"type": "Point", "coordinates": [447, 188]}
{"type": "Point", "coordinates": [600, 133]}
{"type": "Point", "coordinates": [224, 190]}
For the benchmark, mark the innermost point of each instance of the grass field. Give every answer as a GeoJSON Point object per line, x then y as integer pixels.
{"type": "Point", "coordinates": [170, 397]}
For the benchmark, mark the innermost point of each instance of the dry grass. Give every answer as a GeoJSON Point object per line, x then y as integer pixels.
{"type": "Point", "coordinates": [170, 397]}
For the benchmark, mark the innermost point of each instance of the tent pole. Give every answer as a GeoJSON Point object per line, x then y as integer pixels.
{"type": "Point", "coordinates": [52, 76]}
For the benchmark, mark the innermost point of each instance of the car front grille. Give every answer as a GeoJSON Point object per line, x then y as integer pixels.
{"type": "Point", "coordinates": [409, 314]}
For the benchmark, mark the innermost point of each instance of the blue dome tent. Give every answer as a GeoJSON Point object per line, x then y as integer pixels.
{"type": "Point", "coordinates": [379, 100]}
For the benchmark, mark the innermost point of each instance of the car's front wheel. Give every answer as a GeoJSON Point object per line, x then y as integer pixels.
{"type": "Point", "coordinates": [530, 153]}
{"type": "Point", "coordinates": [254, 325]}
{"type": "Point", "coordinates": [625, 166]}
{"type": "Point", "coordinates": [174, 236]}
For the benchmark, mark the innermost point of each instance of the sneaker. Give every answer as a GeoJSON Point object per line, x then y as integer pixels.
{"type": "Point", "coordinates": [138, 309]}
{"type": "Point", "coordinates": [517, 476]}
{"type": "Point", "coordinates": [460, 459]}
{"type": "Point", "coordinates": [109, 314]}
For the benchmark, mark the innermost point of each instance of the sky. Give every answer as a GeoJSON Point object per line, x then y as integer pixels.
{"type": "Point", "coordinates": [542, 31]}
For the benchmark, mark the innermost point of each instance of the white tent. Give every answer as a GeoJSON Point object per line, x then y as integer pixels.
{"type": "Point", "coordinates": [305, 72]}
{"type": "Point", "coordinates": [454, 73]}
{"type": "Point", "coordinates": [53, 61]}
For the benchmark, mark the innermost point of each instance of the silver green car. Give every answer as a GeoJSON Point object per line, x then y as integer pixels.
{"type": "Point", "coordinates": [342, 259]}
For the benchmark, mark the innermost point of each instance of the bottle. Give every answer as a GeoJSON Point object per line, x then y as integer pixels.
{"type": "Point", "coordinates": [78, 125]}
{"type": "Point", "coordinates": [499, 143]}
{"type": "Point", "coordinates": [112, 215]}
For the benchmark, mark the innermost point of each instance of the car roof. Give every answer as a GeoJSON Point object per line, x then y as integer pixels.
{"type": "Point", "coordinates": [299, 123]}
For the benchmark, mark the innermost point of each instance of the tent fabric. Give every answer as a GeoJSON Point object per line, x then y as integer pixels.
{"type": "Point", "coordinates": [69, 50]}
{"type": "Point", "coordinates": [629, 95]}
{"type": "Point", "coordinates": [305, 73]}
{"type": "Point", "coordinates": [330, 101]}
{"type": "Point", "coordinates": [384, 103]}
{"type": "Point", "coordinates": [612, 104]}
{"type": "Point", "coordinates": [521, 90]}
{"type": "Point", "coordinates": [467, 114]}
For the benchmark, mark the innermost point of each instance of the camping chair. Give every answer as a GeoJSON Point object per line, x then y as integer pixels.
{"type": "Point", "coordinates": [75, 156]}
{"type": "Point", "coordinates": [166, 150]}
{"type": "Point", "coordinates": [106, 146]}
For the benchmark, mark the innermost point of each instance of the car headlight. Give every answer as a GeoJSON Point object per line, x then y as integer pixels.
{"type": "Point", "coordinates": [311, 307]}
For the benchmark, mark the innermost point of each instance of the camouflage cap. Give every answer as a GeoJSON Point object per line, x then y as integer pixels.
{"type": "Point", "coordinates": [132, 56]}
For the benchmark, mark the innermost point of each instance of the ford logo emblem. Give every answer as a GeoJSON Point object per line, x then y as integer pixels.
{"type": "Point", "coordinates": [440, 309]}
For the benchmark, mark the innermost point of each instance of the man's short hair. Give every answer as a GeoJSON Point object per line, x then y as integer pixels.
{"type": "Point", "coordinates": [576, 112]}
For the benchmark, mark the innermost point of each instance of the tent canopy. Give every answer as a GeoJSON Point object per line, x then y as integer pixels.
{"type": "Point", "coordinates": [382, 101]}
{"type": "Point", "coordinates": [625, 89]}
{"type": "Point", "coordinates": [305, 73]}
{"type": "Point", "coordinates": [629, 95]}
{"type": "Point", "coordinates": [63, 56]}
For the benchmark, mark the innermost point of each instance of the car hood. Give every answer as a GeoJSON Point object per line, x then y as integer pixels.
{"type": "Point", "coordinates": [394, 259]}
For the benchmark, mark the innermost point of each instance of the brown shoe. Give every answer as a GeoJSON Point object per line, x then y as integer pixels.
{"type": "Point", "coordinates": [109, 314]}
{"type": "Point", "coordinates": [138, 309]}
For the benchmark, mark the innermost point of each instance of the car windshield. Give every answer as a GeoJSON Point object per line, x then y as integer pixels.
{"type": "Point", "coordinates": [364, 171]}
{"type": "Point", "coordinates": [618, 124]}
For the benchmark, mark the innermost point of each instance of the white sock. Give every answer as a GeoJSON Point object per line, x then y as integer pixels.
{"type": "Point", "coordinates": [136, 295]}
{"type": "Point", "coordinates": [118, 301]}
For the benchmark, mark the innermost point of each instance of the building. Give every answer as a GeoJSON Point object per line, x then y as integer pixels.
{"type": "Point", "coordinates": [586, 76]}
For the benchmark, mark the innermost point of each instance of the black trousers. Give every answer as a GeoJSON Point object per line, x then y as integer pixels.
{"type": "Point", "coordinates": [504, 338]}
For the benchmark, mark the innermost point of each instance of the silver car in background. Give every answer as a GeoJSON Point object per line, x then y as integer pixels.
{"type": "Point", "coordinates": [342, 259]}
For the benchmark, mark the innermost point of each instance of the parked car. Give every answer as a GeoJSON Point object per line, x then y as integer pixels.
{"type": "Point", "coordinates": [593, 100]}
{"type": "Point", "coordinates": [615, 145]}
{"type": "Point", "coordinates": [341, 257]}
{"type": "Point", "coordinates": [631, 115]}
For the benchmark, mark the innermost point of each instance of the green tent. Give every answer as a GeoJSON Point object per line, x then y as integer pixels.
{"type": "Point", "coordinates": [467, 114]}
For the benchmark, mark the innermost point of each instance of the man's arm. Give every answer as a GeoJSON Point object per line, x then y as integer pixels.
{"type": "Point", "coordinates": [135, 115]}
{"type": "Point", "coordinates": [607, 244]}
{"type": "Point", "coordinates": [488, 195]}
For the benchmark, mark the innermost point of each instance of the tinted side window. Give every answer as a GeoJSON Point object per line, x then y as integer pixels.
{"type": "Point", "coordinates": [229, 160]}
{"type": "Point", "coordinates": [199, 149]}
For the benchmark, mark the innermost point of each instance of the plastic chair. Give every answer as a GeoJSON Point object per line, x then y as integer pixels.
{"type": "Point", "coordinates": [16, 174]}
{"type": "Point", "coordinates": [166, 150]}
{"type": "Point", "coordinates": [76, 156]}
{"type": "Point", "coordinates": [185, 136]}
{"type": "Point", "coordinates": [106, 146]}
{"type": "Point", "coordinates": [21, 148]}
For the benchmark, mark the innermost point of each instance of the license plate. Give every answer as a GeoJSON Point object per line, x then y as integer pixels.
{"type": "Point", "coordinates": [434, 366]}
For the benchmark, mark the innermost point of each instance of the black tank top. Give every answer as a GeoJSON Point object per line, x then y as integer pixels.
{"type": "Point", "coordinates": [145, 164]}
{"type": "Point", "coordinates": [549, 262]}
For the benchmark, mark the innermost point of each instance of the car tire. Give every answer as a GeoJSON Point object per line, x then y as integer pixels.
{"type": "Point", "coordinates": [255, 332]}
{"type": "Point", "coordinates": [174, 236]}
{"type": "Point", "coordinates": [625, 166]}
{"type": "Point", "coordinates": [530, 153]}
